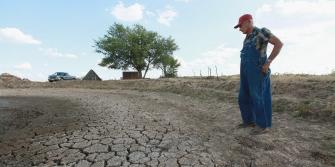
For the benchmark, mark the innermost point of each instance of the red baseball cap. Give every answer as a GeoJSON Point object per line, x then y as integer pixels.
{"type": "Point", "coordinates": [242, 19]}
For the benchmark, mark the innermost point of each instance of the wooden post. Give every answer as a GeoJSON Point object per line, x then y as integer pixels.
{"type": "Point", "coordinates": [210, 72]}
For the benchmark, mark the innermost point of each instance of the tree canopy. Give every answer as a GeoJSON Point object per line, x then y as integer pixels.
{"type": "Point", "coordinates": [137, 48]}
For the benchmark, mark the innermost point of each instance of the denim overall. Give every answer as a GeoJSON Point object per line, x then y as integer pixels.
{"type": "Point", "coordinates": [255, 87]}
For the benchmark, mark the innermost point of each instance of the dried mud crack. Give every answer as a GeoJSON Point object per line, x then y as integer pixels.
{"type": "Point", "coordinates": [93, 128]}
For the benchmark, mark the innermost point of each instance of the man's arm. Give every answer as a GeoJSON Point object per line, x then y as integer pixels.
{"type": "Point", "coordinates": [277, 45]}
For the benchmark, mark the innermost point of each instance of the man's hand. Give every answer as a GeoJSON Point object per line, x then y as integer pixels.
{"type": "Point", "coordinates": [265, 68]}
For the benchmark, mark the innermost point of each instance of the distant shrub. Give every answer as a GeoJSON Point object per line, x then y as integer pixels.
{"type": "Point", "coordinates": [333, 72]}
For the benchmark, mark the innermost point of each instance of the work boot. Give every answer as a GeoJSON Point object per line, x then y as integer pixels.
{"type": "Point", "coordinates": [259, 131]}
{"type": "Point", "coordinates": [243, 125]}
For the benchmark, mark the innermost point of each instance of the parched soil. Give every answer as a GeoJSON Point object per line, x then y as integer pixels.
{"type": "Point", "coordinates": [172, 123]}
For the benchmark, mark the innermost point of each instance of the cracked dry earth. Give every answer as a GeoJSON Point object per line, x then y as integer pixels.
{"type": "Point", "coordinates": [83, 127]}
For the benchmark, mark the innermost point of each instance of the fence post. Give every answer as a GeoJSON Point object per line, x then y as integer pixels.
{"type": "Point", "coordinates": [216, 70]}
{"type": "Point", "coordinates": [210, 72]}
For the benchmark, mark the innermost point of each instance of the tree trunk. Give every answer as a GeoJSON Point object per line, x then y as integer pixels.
{"type": "Point", "coordinates": [139, 74]}
{"type": "Point", "coordinates": [147, 67]}
{"type": "Point", "coordinates": [164, 70]}
{"type": "Point", "coordinates": [146, 70]}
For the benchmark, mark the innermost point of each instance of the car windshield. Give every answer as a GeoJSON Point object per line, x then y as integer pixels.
{"type": "Point", "coordinates": [60, 74]}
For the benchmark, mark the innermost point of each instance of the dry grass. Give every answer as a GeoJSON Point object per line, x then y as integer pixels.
{"type": "Point", "coordinates": [307, 96]}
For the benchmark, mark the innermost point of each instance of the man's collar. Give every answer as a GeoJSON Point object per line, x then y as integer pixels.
{"type": "Point", "coordinates": [254, 30]}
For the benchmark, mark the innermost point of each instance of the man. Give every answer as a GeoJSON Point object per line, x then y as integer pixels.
{"type": "Point", "coordinates": [255, 87]}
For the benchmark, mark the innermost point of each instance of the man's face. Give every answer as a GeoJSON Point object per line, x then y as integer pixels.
{"type": "Point", "coordinates": [244, 27]}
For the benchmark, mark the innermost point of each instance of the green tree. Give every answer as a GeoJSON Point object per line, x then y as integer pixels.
{"type": "Point", "coordinates": [169, 65]}
{"type": "Point", "coordinates": [135, 47]}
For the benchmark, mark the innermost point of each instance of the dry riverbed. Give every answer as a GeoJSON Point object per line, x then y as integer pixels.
{"type": "Point", "coordinates": [135, 127]}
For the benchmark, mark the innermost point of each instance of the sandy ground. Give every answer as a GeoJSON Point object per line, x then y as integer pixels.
{"type": "Point", "coordinates": [142, 127]}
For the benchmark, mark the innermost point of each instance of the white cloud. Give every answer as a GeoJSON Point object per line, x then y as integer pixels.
{"type": "Point", "coordinates": [53, 52]}
{"type": "Point", "coordinates": [167, 16]}
{"type": "Point", "coordinates": [264, 8]}
{"type": "Point", "coordinates": [16, 35]}
{"type": "Point", "coordinates": [23, 66]}
{"type": "Point", "coordinates": [131, 13]}
{"type": "Point", "coordinates": [298, 10]}
{"type": "Point", "coordinates": [226, 60]}
{"type": "Point", "coordinates": [319, 7]}
{"type": "Point", "coordinates": [150, 14]}
{"type": "Point", "coordinates": [41, 76]}
{"type": "Point", "coordinates": [307, 29]}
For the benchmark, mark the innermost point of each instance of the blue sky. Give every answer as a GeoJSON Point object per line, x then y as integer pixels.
{"type": "Point", "coordinates": [38, 37]}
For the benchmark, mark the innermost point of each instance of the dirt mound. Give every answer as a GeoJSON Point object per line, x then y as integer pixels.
{"type": "Point", "coordinates": [11, 81]}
